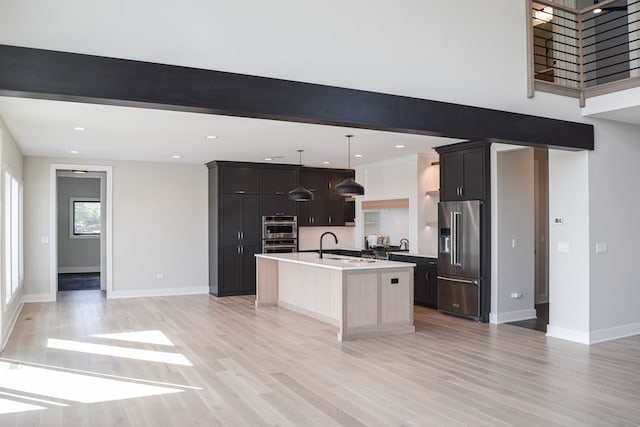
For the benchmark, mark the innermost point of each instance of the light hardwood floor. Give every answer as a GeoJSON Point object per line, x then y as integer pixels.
{"type": "Point", "coordinates": [270, 366]}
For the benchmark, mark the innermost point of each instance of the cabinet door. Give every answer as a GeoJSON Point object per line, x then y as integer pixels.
{"type": "Point", "coordinates": [251, 220]}
{"type": "Point", "coordinates": [230, 279]}
{"type": "Point", "coordinates": [335, 209]}
{"type": "Point", "coordinates": [279, 206]}
{"type": "Point", "coordinates": [420, 281]}
{"type": "Point", "coordinates": [314, 180]}
{"type": "Point", "coordinates": [248, 269]}
{"type": "Point", "coordinates": [314, 212]}
{"type": "Point", "coordinates": [451, 172]}
{"type": "Point", "coordinates": [240, 180]}
{"type": "Point", "coordinates": [432, 287]}
{"type": "Point", "coordinates": [278, 182]}
{"type": "Point", "coordinates": [230, 226]}
{"type": "Point", "coordinates": [473, 174]}
{"type": "Point", "coordinates": [349, 210]}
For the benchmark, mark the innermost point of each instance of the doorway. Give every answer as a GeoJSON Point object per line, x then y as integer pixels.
{"type": "Point", "coordinates": [80, 220]}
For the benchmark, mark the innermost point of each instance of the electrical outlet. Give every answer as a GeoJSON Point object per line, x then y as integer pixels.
{"type": "Point", "coordinates": [601, 247]}
{"type": "Point", "coordinates": [514, 243]}
{"type": "Point", "coordinates": [159, 275]}
{"type": "Point", "coordinates": [517, 295]}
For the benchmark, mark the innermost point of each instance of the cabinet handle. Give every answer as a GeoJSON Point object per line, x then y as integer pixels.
{"type": "Point", "coordinates": [462, 191]}
{"type": "Point", "coordinates": [238, 235]}
{"type": "Point", "coordinates": [238, 249]}
{"type": "Point", "coordinates": [242, 235]}
{"type": "Point", "coordinates": [241, 249]}
{"type": "Point", "coordinates": [329, 219]}
{"type": "Point", "coordinates": [240, 192]}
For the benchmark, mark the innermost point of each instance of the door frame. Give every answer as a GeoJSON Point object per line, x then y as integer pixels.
{"type": "Point", "coordinates": [106, 243]}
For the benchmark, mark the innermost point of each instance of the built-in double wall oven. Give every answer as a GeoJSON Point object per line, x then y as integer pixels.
{"type": "Point", "coordinates": [279, 234]}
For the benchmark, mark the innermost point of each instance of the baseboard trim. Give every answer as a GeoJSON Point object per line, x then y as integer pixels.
{"type": "Point", "coordinates": [12, 324]}
{"type": "Point", "coordinates": [512, 316]}
{"type": "Point", "coordinates": [162, 292]}
{"type": "Point", "coordinates": [617, 332]}
{"type": "Point", "coordinates": [63, 270]}
{"type": "Point", "coordinates": [28, 298]}
{"type": "Point", "coordinates": [568, 334]}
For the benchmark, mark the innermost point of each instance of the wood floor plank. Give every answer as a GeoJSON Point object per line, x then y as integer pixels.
{"type": "Point", "coordinates": [270, 366]}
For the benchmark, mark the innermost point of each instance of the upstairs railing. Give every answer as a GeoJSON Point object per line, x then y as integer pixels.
{"type": "Point", "coordinates": [585, 51]}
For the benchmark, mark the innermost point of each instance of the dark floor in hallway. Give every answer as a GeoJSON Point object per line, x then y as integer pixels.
{"type": "Point", "coordinates": [538, 324]}
{"type": "Point", "coordinates": [78, 281]}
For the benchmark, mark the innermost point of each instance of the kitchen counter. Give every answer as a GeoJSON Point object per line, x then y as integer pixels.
{"type": "Point", "coordinates": [337, 262]}
{"type": "Point", "coordinates": [361, 297]}
{"type": "Point", "coordinates": [414, 254]}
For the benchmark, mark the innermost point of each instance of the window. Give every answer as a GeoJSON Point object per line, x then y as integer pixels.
{"type": "Point", "coordinates": [13, 231]}
{"type": "Point", "coordinates": [85, 218]}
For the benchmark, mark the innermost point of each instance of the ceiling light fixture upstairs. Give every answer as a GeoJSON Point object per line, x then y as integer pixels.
{"type": "Point", "coordinates": [597, 10]}
{"type": "Point", "coordinates": [349, 187]}
{"type": "Point", "coordinates": [300, 194]}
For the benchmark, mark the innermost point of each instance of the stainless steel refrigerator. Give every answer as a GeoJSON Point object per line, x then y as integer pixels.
{"type": "Point", "coordinates": [459, 260]}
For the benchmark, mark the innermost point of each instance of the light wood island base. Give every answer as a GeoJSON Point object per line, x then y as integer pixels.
{"type": "Point", "coordinates": [361, 298]}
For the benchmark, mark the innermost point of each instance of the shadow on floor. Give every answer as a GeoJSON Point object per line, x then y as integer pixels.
{"type": "Point", "coordinates": [78, 281]}
{"type": "Point", "coordinates": [538, 324]}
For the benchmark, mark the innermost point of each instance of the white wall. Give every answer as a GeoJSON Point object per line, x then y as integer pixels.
{"type": "Point", "coordinates": [76, 255]}
{"type": "Point", "coordinates": [159, 227]}
{"type": "Point", "coordinates": [569, 245]}
{"type": "Point", "coordinates": [614, 213]}
{"type": "Point", "coordinates": [513, 242]}
{"type": "Point", "coordinates": [11, 157]}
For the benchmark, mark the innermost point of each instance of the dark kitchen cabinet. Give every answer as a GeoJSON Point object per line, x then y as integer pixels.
{"type": "Point", "coordinates": [240, 180]}
{"type": "Point", "coordinates": [462, 172]}
{"type": "Point", "coordinates": [425, 280]}
{"type": "Point", "coordinates": [276, 184]}
{"type": "Point", "coordinates": [327, 208]}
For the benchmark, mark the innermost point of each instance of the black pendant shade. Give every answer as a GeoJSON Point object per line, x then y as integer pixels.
{"type": "Point", "coordinates": [349, 187]}
{"type": "Point", "coordinates": [300, 194]}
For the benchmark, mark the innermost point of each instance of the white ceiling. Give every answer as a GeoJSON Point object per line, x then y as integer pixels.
{"type": "Point", "coordinates": [45, 128]}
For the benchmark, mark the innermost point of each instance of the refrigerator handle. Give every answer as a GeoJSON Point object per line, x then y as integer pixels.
{"type": "Point", "coordinates": [455, 223]}
{"type": "Point", "coordinates": [453, 237]}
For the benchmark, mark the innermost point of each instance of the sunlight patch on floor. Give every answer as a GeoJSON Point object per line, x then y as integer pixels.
{"type": "Point", "coordinates": [147, 337]}
{"type": "Point", "coordinates": [127, 353]}
{"type": "Point", "coordinates": [11, 406]}
{"type": "Point", "coordinates": [72, 387]}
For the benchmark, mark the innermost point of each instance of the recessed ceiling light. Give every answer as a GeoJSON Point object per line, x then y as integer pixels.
{"type": "Point", "coordinates": [399, 146]}
{"type": "Point", "coordinates": [358, 155]}
{"type": "Point", "coordinates": [597, 10]}
{"type": "Point", "coordinates": [326, 163]}
{"type": "Point", "coordinates": [79, 128]}
{"type": "Point", "coordinates": [74, 152]}
{"type": "Point", "coordinates": [211, 137]}
{"type": "Point", "coordinates": [176, 156]}
{"type": "Point", "coordinates": [268, 159]}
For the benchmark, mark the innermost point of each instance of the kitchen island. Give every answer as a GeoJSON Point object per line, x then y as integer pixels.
{"type": "Point", "coordinates": [361, 297]}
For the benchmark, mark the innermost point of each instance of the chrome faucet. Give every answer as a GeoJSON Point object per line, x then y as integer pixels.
{"type": "Point", "coordinates": [324, 234]}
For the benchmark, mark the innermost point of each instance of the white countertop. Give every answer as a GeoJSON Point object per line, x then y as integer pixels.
{"type": "Point", "coordinates": [414, 254]}
{"type": "Point", "coordinates": [336, 262]}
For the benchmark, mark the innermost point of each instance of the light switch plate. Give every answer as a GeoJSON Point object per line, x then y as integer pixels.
{"type": "Point", "coordinates": [601, 247]}
{"type": "Point", "coordinates": [558, 220]}
{"type": "Point", "coordinates": [563, 247]}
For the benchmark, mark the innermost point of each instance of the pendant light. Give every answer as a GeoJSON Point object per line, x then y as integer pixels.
{"type": "Point", "coordinates": [300, 194]}
{"type": "Point", "coordinates": [349, 187]}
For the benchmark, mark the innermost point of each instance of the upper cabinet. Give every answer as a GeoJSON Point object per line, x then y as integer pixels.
{"type": "Point", "coordinates": [463, 171]}
{"type": "Point", "coordinates": [240, 180]}
{"type": "Point", "coordinates": [327, 208]}
{"type": "Point", "coordinates": [276, 184]}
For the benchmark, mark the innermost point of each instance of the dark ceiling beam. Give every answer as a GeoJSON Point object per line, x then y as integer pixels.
{"type": "Point", "coordinates": [45, 74]}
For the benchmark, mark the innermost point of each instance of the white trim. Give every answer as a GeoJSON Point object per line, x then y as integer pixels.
{"type": "Point", "coordinates": [93, 269]}
{"type": "Point", "coordinates": [568, 334]}
{"type": "Point", "coordinates": [12, 323]}
{"type": "Point", "coordinates": [512, 316]}
{"type": "Point", "coordinates": [107, 270]}
{"type": "Point", "coordinates": [614, 333]}
{"type": "Point", "coordinates": [159, 292]}
{"type": "Point", "coordinates": [29, 298]}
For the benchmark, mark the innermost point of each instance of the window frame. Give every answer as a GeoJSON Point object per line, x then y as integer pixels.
{"type": "Point", "coordinates": [12, 240]}
{"type": "Point", "coordinates": [72, 218]}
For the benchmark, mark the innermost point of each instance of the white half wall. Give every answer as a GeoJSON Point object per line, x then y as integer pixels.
{"type": "Point", "coordinates": [160, 230]}
{"type": "Point", "coordinates": [569, 279]}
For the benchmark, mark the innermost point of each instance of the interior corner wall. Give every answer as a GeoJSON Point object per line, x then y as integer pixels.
{"type": "Point", "coordinates": [427, 207]}
{"type": "Point", "coordinates": [11, 157]}
{"type": "Point", "coordinates": [569, 215]}
{"type": "Point", "coordinates": [160, 231]}
{"type": "Point", "coordinates": [76, 255]}
{"type": "Point", "coordinates": [513, 223]}
{"type": "Point", "coordinates": [614, 212]}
